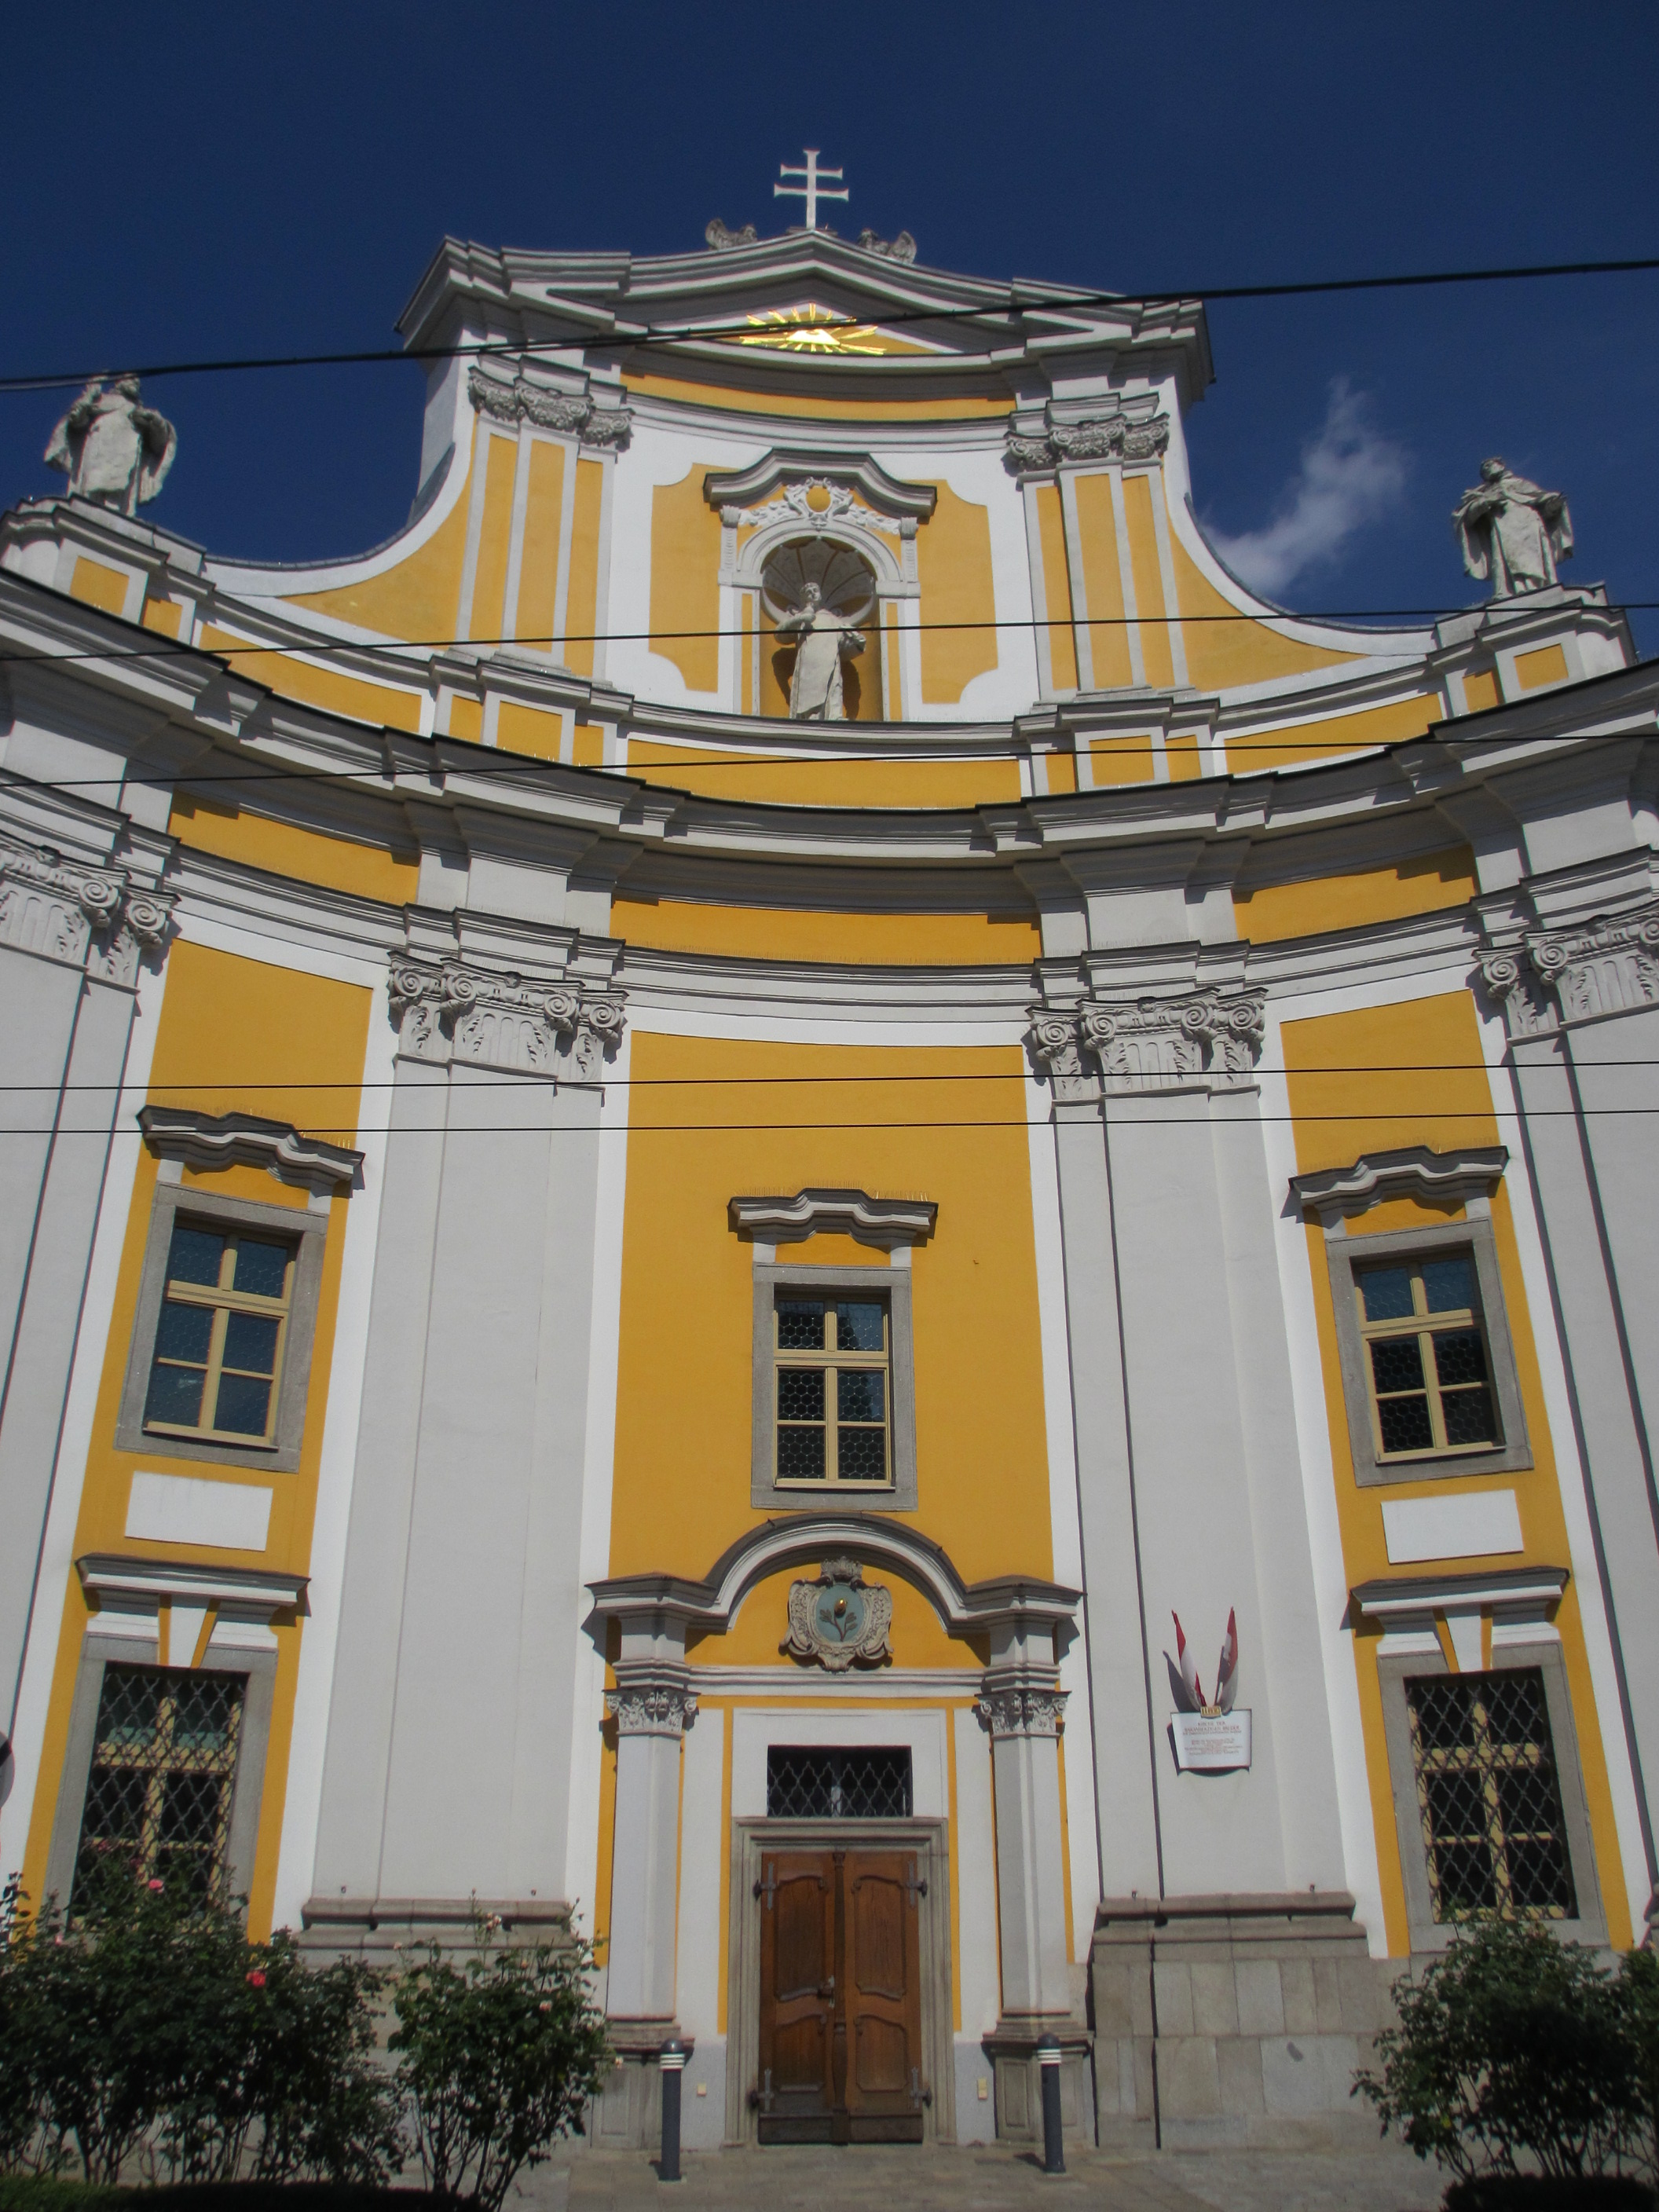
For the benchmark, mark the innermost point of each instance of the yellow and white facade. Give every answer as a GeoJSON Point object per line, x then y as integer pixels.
{"type": "Point", "coordinates": [1136, 989]}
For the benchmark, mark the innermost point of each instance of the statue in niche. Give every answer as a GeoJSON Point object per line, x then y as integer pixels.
{"type": "Point", "coordinates": [112, 449]}
{"type": "Point", "coordinates": [819, 592]}
{"type": "Point", "coordinates": [824, 640]}
{"type": "Point", "coordinates": [1512, 532]}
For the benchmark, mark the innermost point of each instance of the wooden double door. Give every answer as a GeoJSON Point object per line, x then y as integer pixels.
{"type": "Point", "coordinates": [840, 2055]}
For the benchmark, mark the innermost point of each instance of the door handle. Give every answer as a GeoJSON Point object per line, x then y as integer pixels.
{"type": "Point", "coordinates": [827, 1989]}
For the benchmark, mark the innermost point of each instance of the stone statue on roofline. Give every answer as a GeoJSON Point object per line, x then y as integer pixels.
{"type": "Point", "coordinates": [113, 449]}
{"type": "Point", "coordinates": [1511, 531]}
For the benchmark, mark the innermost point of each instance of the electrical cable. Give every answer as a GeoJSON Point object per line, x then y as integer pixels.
{"type": "Point", "coordinates": [165, 648]}
{"type": "Point", "coordinates": [1014, 307]}
{"type": "Point", "coordinates": [1411, 1116]}
{"type": "Point", "coordinates": [741, 1082]}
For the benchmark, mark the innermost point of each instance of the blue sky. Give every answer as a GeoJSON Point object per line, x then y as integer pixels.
{"type": "Point", "coordinates": [187, 180]}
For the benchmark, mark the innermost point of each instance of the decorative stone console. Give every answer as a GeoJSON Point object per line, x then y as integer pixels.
{"type": "Point", "coordinates": [1234, 2020]}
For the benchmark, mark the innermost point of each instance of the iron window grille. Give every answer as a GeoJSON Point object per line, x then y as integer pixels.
{"type": "Point", "coordinates": [163, 1776]}
{"type": "Point", "coordinates": [1488, 1796]}
{"type": "Point", "coordinates": [217, 1359]}
{"type": "Point", "coordinates": [832, 1376]}
{"type": "Point", "coordinates": [1428, 1371]}
{"type": "Point", "coordinates": [808, 1784]}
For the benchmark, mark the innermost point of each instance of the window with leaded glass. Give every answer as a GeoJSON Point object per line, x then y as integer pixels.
{"type": "Point", "coordinates": [1428, 1367]}
{"type": "Point", "coordinates": [217, 1360]}
{"type": "Point", "coordinates": [158, 1794]}
{"type": "Point", "coordinates": [805, 1784]}
{"type": "Point", "coordinates": [832, 1382]}
{"type": "Point", "coordinates": [1488, 1796]}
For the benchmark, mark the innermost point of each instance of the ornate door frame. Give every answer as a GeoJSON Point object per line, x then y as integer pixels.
{"type": "Point", "coordinates": [929, 1840]}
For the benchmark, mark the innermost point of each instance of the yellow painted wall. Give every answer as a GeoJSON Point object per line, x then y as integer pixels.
{"type": "Point", "coordinates": [495, 539]}
{"type": "Point", "coordinates": [1409, 1074]}
{"type": "Point", "coordinates": [681, 1480]}
{"type": "Point", "coordinates": [1220, 654]}
{"type": "Point", "coordinates": [1349, 901]}
{"type": "Point", "coordinates": [1137, 495]}
{"type": "Point", "coordinates": [1534, 671]}
{"type": "Point", "coordinates": [284, 672]}
{"type": "Point", "coordinates": [1121, 760]}
{"type": "Point", "coordinates": [685, 580]}
{"type": "Point", "coordinates": [582, 599]}
{"type": "Point", "coordinates": [1480, 689]}
{"type": "Point", "coordinates": [953, 563]}
{"type": "Point", "coordinates": [272, 1041]}
{"type": "Point", "coordinates": [521, 729]}
{"type": "Point", "coordinates": [894, 940]}
{"type": "Point", "coordinates": [539, 571]}
{"type": "Point", "coordinates": [1097, 530]}
{"type": "Point", "coordinates": [417, 597]}
{"type": "Point", "coordinates": [99, 585]}
{"type": "Point", "coordinates": [164, 615]}
{"type": "Point", "coordinates": [790, 779]}
{"type": "Point", "coordinates": [285, 848]}
{"type": "Point", "coordinates": [965, 407]}
{"type": "Point", "coordinates": [1056, 587]}
{"type": "Point", "coordinates": [1298, 743]}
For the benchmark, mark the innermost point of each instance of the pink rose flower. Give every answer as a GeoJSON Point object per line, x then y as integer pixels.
{"type": "Point", "coordinates": [158, 1885]}
{"type": "Point", "coordinates": [257, 1978]}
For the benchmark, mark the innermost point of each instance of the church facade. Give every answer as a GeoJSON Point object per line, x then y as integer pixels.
{"type": "Point", "coordinates": [786, 1190]}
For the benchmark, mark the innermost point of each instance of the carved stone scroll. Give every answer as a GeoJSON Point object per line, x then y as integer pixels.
{"type": "Point", "coordinates": [1208, 1042]}
{"type": "Point", "coordinates": [1556, 978]}
{"type": "Point", "coordinates": [520, 400]}
{"type": "Point", "coordinates": [468, 1015]}
{"type": "Point", "coordinates": [1115, 437]}
{"type": "Point", "coordinates": [1021, 1704]}
{"type": "Point", "coordinates": [659, 1703]}
{"type": "Point", "coordinates": [94, 918]}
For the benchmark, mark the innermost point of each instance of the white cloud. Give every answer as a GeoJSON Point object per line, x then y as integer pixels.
{"type": "Point", "coordinates": [1351, 475]}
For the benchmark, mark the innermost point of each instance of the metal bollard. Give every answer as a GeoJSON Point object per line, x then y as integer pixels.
{"type": "Point", "coordinates": [1048, 2057]}
{"type": "Point", "coordinates": [671, 2060]}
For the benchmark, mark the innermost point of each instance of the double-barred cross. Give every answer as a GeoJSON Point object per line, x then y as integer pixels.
{"type": "Point", "coordinates": [811, 187]}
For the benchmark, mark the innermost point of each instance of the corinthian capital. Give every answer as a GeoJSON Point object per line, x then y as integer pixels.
{"type": "Point", "coordinates": [651, 1701]}
{"type": "Point", "coordinates": [1021, 1704]}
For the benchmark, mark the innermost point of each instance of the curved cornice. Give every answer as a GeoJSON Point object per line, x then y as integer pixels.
{"type": "Point", "coordinates": [167, 716]}
{"type": "Point", "coordinates": [601, 304]}
{"type": "Point", "coordinates": [874, 1540]}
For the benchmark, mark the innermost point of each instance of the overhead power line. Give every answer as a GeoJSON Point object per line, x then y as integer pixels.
{"type": "Point", "coordinates": [322, 646]}
{"type": "Point", "coordinates": [505, 765]}
{"type": "Point", "coordinates": [1412, 1115]}
{"type": "Point", "coordinates": [1014, 305]}
{"type": "Point", "coordinates": [174, 1090]}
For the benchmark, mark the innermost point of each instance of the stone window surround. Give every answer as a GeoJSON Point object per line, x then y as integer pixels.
{"type": "Point", "coordinates": [1393, 1671]}
{"type": "Point", "coordinates": [259, 1669]}
{"type": "Point", "coordinates": [892, 1226]}
{"type": "Point", "coordinates": [1465, 1177]}
{"type": "Point", "coordinates": [893, 1282]}
{"type": "Point", "coordinates": [307, 1227]}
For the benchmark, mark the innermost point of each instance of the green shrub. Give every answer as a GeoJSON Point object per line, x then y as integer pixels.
{"type": "Point", "coordinates": [497, 2059]}
{"type": "Point", "coordinates": [150, 2023]}
{"type": "Point", "coordinates": [1543, 2192]}
{"type": "Point", "coordinates": [1512, 2047]}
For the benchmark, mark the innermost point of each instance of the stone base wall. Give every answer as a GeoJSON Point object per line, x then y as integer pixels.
{"type": "Point", "coordinates": [1234, 2020]}
{"type": "Point", "coordinates": [382, 1930]}
{"type": "Point", "coordinates": [1017, 2073]}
